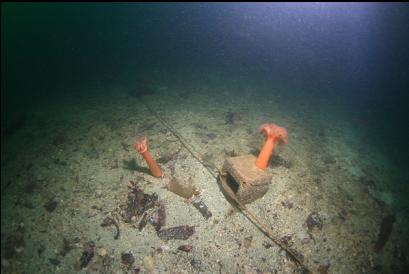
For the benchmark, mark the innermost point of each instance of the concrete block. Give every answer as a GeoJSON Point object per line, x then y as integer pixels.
{"type": "Point", "coordinates": [247, 181]}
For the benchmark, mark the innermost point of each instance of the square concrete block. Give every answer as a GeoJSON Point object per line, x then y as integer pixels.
{"type": "Point", "coordinates": [247, 181]}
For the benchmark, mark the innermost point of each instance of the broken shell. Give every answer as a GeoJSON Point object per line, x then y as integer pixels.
{"type": "Point", "coordinates": [149, 264]}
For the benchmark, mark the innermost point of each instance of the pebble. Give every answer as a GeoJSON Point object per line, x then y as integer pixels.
{"type": "Point", "coordinates": [98, 193]}
{"type": "Point", "coordinates": [304, 237]}
{"type": "Point", "coordinates": [102, 252]}
{"type": "Point", "coordinates": [165, 248]}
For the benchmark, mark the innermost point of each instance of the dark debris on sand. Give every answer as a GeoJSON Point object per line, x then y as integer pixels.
{"type": "Point", "coordinates": [51, 205]}
{"type": "Point", "coordinates": [87, 254]}
{"type": "Point", "coordinates": [67, 246]}
{"type": "Point", "coordinates": [203, 209]}
{"type": "Point", "coordinates": [185, 248]}
{"type": "Point", "coordinates": [138, 202]}
{"type": "Point", "coordinates": [232, 118]}
{"type": "Point", "coordinates": [15, 243]}
{"type": "Point", "coordinates": [127, 258]}
{"type": "Point", "coordinates": [385, 231]}
{"type": "Point", "coordinates": [158, 218]}
{"type": "Point", "coordinates": [313, 220]}
{"type": "Point", "coordinates": [182, 232]}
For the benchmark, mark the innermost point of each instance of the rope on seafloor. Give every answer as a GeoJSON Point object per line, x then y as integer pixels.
{"type": "Point", "coordinates": [294, 255]}
{"type": "Point", "coordinates": [248, 213]}
{"type": "Point", "coordinates": [181, 139]}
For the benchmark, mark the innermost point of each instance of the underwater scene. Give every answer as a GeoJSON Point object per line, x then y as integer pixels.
{"type": "Point", "coordinates": [204, 138]}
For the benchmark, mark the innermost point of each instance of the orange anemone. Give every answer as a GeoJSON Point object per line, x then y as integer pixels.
{"type": "Point", "coordinates": [141, 145]}
{"type": "Point", "coordinates": [274, 134]}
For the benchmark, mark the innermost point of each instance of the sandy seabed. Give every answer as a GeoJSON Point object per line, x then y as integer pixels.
{"type": "Point", "coordinates": [69, 168]}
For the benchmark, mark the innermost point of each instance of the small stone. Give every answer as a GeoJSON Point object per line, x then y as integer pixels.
{"type": "Point", "coordinates": [165, 248]}
{"type": "Point", "coordinates": [54, 261]}
{"type": "Point", "coordinates": [51, 205]}
{"type": "Point", "coordinates": [19, 249]}
{"type": "Point", "coordinates": [127, 258]}
{"type": "Point", "coordinates": [247, 241]}
{"type": "Point", "coordinates": [98, 193]}
{"type": "Point", "coordinates": [102, 252]}
{"type": "Point", "coordinates": [185, 248]}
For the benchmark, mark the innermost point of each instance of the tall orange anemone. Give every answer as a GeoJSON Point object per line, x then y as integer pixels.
{"type": "Point", "coordinates": [141, 145]}
{"type": "Point", "coordinates": [274, 134]}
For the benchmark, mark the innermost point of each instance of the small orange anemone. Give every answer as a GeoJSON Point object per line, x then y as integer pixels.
{"type": "Point", "coordinates": [141, 145]}
{"type": "Point", "coordinates": [274, 134]}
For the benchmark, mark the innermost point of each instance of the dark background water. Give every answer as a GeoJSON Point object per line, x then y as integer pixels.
{"type": "Point", "coordinates": [356, 53]}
